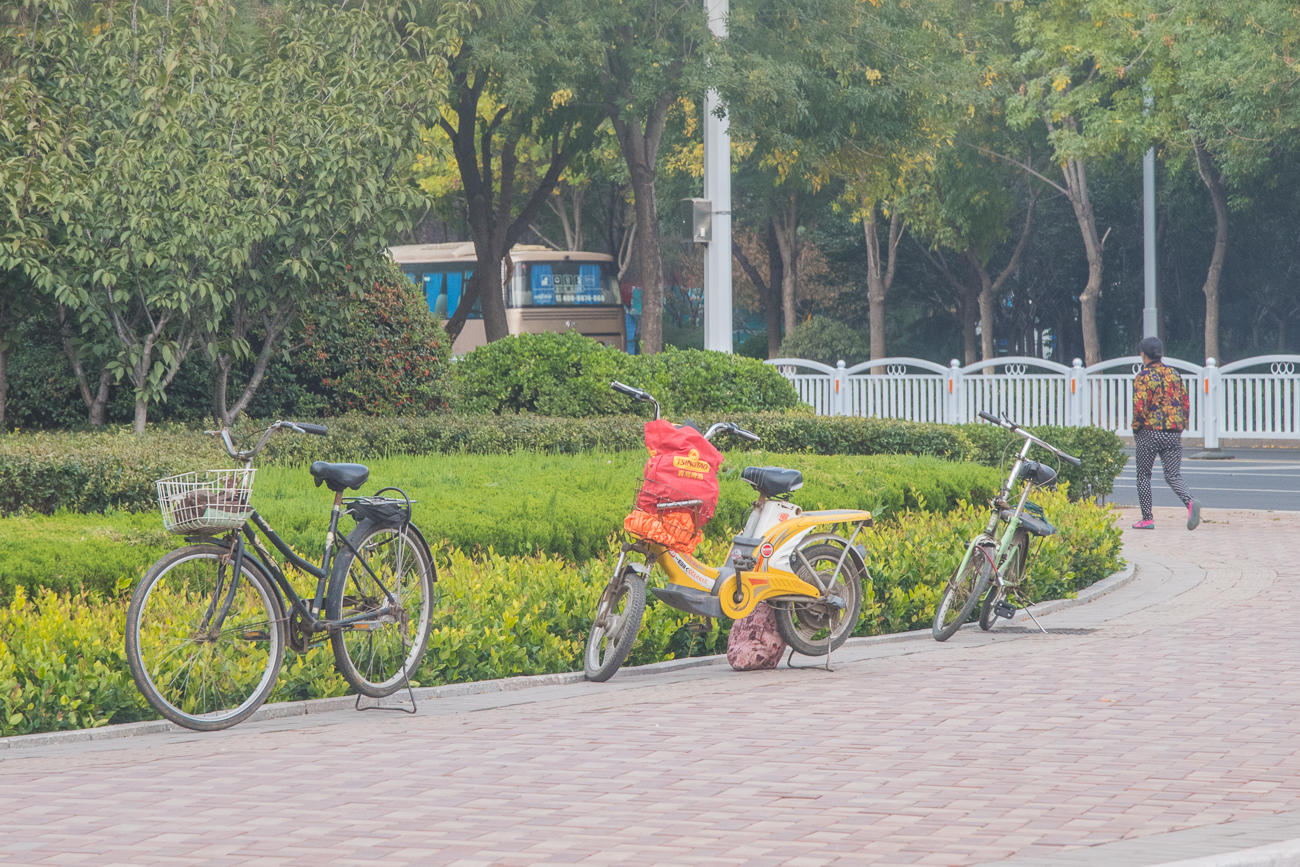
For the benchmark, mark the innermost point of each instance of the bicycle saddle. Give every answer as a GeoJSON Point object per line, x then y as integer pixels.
{"type": "Point", "coordinates": [773, 481]}
{"type": "Point", "coordinates": [340, 476]}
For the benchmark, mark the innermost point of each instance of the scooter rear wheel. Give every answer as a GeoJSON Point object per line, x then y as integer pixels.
{"type": "Point", "coordinates": [621, 607]}
{"type": "Point", "coordinates": [813, 627]}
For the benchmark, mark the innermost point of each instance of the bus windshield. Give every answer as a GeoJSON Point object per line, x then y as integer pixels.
{"type": "Point", "coordinates": [563, 284]}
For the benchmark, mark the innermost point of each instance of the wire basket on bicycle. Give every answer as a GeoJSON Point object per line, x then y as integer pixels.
{"type": "Point", "coordinates": [679, 487]}
{"type": "Point", "coordinates": [206, 504]}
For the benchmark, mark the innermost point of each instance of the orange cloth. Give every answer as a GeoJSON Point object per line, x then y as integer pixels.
{"type": "Point", "coordinates": [674, 529]}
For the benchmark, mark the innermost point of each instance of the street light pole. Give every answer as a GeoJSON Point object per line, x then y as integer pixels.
{"type": "Point", "coordinates": [1150, 316]}
{"type": "Point", "coordinates": [717, 189]}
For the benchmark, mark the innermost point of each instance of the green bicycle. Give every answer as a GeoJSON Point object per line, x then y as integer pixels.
{"type": "Point", "coordinates": [998, 562]}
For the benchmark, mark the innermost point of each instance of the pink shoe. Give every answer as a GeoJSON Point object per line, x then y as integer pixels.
{"type": "Point", "coordinates": [1146, 524]}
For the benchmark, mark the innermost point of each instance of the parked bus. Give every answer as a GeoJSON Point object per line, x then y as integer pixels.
{"type": "Point", "coordinates": [546, 290]}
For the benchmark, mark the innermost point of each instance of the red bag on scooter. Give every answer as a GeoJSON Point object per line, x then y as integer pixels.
{"type": "Point", "coordinates": [683, 467]}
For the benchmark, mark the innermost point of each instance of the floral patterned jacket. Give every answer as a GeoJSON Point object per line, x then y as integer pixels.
{"type": "Point", "coordinates": [1160, 401]}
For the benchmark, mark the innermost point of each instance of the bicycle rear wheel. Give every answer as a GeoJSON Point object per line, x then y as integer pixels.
{"type": "Point", "coordinates": [961, 595]}
{"type": "Point", "coordinates": [811, 627]}
{"type": "Point", "coordinates": [197, 674]}
{"type": "Point", "coordinates": [388, 590]}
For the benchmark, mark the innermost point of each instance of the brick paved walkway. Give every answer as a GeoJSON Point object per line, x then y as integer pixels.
{"type": "Point", "coordinates": [1168, 732]}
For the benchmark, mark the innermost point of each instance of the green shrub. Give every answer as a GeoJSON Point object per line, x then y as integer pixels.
{"type": "Point", "coordinates": [95, 472]}
{"type": "Point", "coordinates": [388, 354]}
{"type": "Point", "coordinates": [569, 375]}
{"type": "Point", "coordinates": [62, 662]}
{"type": "Point", "coordinates": [820, 338]}
{"type": "Point", "coordinates": [1101, 451]}
{"type": "Point", "coordinates": [514, 505]}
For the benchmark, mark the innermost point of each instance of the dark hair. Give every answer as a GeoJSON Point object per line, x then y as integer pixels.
{"type": "Point", "coordinates": [1152, 348]}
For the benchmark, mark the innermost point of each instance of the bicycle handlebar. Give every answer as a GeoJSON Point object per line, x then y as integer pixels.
{"type": "Point", "coordinates": [730, 427]}
{"type": "Point", "coordinates": [1017, 429]}
{"type": "Point", "coordinates": [248, 454]}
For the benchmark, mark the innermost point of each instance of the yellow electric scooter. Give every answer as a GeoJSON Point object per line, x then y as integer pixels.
{"type": "Point", "coordinates": [812, 581]}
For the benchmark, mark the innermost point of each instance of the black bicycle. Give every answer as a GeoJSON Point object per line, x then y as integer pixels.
{"type": "Point", "coordinates": [208, 624]}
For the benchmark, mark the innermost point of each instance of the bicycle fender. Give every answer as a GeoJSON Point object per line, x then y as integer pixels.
{"type": "Point", "coordinates": [856, 552]}
{"type": "Point", "coordinates": [639, 568]}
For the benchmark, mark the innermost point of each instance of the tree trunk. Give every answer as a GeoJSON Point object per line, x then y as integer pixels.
{"type": "Point", "coordinates": [769, 290]}
{"type": "Point", "coordinates": [785, 229]}
{"type": "Point", "coordinates": [969, 317]}
{"type": "Point", "coordinates": [1213, 183]}
{"type": "Point", "coordinates": [989, 287]}
{"type": "Point", "coordinates": [1076, 184]}
{"type": "Point", "coordinates": [489, 199]}
{"type": "Point", "coordinates": [880, 276]}
{"type": "Point", "coordinates": [96, 402]}
{"type": "Point", "coordinates": [639, 143]}
{"type": "Point", "coordinates": [141, 414]}
{"type": "Point", "coordinates": [4, 384]}
{"type": "Point", "coordinates": [776, 278]}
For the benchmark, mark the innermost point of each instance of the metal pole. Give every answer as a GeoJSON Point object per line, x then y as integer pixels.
{"type": "Point", "coordinates": [1150, 316]}
{"type": "Point", "coordinates": [717, 189]}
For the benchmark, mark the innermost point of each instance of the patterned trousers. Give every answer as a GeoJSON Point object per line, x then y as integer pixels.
{"type": "Point", "coordinates": [1168, 444]}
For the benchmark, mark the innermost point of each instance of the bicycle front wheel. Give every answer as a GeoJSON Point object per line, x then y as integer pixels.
{"type": "Point", "coordinates": [385, 591]}
{"type": "Point", "coordinates": [1012, 571]}
{"type": "Point", "coordinates": [195, 667]}
{"type": "Point", "coordinates": [961, 594]}
{"type": "Point", "coordinates": [618, 619]}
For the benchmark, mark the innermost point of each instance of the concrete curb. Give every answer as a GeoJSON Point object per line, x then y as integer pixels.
{"type": "Point", "coordinates": [1284, 854]}
{"type": "Point", "coordinates": [285, 710]}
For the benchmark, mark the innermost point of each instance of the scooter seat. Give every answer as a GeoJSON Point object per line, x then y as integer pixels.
{"type": "Point", "coordinates": [773, 481]}
{"type": "Point", "coordinates": [340, 476]}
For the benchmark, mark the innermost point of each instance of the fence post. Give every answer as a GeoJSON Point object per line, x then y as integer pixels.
{"type": "Point", "coordinates": [1075, 415]}
{"type": "Point", "coordinates": [840, 394]}
{"type": "Point", "coordinates": [1211, 382]}
{"type": "Point", "coordinates": [954, 402]}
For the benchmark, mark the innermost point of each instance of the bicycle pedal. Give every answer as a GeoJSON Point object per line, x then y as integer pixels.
{"type": "Point", "coordinates": [1003, 608]}
{"type": "Point", "coordinates": [837, 602]}
{"type": "Point", "coordinates": [255, 635]}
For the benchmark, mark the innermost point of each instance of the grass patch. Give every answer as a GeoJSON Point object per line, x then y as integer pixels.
{"type": "Point", "coordinates": [566, 506]}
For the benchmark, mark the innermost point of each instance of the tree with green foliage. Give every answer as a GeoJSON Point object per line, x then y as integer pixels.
{"type": "Point", "coordinates": [323, 138]}
{"type": "Point", "coordinates": [511, 128]}
{"type": "Point", "coordinates": [642, 56]}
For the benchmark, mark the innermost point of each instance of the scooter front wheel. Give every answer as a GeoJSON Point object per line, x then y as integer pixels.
{"type": "Point", "coordinates": [618, 619]}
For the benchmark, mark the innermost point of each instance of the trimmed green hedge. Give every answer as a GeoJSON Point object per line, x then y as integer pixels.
{"type": "Point", "coordinates": [62, 664]}
{"type": "Point", "coordinates": [513, 505]}
{"type": "Point", "coordinates": [94, 472]}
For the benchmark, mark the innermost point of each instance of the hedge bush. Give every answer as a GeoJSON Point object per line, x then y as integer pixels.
{"type": "Point", "coordinates": [62, 663]}
{"type": "Point", "coordinates": [91, 472]}
{"type": "Point", "coordinates": [559, 505]}
{"type": "Point", "coordinates": [568, 375]}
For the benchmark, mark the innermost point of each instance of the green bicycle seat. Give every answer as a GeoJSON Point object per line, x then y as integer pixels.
{"type": "Point", "coordinates": [338, 477]}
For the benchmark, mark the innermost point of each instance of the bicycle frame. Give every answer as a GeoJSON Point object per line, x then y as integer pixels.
{"type": "Point", "coordinates": [1001, 546]}
{"type": "Point", "coordinates": [265, 562]}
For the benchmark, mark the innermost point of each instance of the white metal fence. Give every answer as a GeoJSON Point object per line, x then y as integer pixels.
{"type": "Point", "coordinates": [1255, 398]}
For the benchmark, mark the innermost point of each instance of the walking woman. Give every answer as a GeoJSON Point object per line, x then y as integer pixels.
{"type": "Point", "coordinates": [1160, 410]}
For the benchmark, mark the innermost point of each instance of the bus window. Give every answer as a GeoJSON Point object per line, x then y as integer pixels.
{"type": "Point", "coordinates": [562, 284]}
{"type": "Point", "coordinates": [443, 290]}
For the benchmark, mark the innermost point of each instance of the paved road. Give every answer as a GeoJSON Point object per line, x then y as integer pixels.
{"type": "Point", "coordinates": [1167, 731]}
{"type": "Point", "coordinates": [1254, 479]}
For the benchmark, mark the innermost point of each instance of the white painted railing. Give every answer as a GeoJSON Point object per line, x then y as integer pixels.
{"type": "Point", "coordinates": [1253, 398]}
